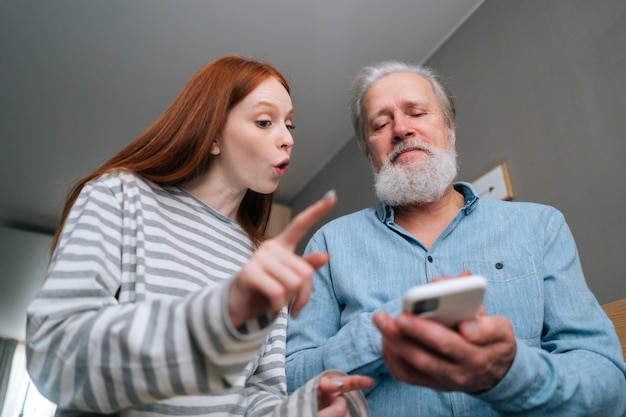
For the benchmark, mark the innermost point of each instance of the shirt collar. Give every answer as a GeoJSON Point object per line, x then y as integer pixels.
{"type": "Point", "coordinates": [385, 212]}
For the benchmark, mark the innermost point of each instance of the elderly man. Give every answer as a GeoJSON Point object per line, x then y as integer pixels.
{"type": "Point", "coordinates": [543, 346]}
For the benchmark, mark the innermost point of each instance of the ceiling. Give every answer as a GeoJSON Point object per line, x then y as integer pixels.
{"type": "Point", "coordinates": [80, 79]}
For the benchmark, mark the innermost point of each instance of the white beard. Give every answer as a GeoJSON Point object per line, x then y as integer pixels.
{"type": "Point", "coordinates": [417, 182]}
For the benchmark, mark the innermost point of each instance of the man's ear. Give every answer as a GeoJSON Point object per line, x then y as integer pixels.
{"type": "Point", "coordinates": [452, 136]}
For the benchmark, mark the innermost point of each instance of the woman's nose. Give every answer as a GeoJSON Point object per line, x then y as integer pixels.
{"type": "Point", "coordinates": [286, 140]}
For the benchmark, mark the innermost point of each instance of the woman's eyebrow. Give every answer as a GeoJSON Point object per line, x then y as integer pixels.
{"type": "Point", "coordinates": [265, 103]}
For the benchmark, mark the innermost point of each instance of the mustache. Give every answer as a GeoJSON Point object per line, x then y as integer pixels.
{"type": "Point", "coordinates": [408, 145]}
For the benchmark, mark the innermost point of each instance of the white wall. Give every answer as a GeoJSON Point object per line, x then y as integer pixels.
{"type": "Point", "coordinates": [23, 261]}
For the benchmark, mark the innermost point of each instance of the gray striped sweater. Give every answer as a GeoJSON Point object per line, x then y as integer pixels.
{"type": "Point", "coordinates": [131, 318]}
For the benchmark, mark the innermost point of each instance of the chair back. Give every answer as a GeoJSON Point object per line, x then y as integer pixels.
{"type": "Point", "coordinates": [617, 313]}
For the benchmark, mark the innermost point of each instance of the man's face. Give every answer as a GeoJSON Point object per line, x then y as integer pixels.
{"type": "Point", "coordinates": [399, 107]}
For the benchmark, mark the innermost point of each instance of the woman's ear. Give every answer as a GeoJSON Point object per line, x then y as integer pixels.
{"type": "Point", "coordinates": [215, 148]}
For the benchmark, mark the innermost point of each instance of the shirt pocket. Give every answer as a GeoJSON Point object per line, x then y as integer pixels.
{"type": "Point", "coordinates": [514, 290]}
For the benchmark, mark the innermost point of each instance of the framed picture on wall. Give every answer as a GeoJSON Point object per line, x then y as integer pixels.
{"type": "Point", "coordinates": [494, 184]}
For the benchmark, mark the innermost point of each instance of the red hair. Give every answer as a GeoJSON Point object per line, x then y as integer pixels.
{"type": "Point", "coordinates": [175, 147]}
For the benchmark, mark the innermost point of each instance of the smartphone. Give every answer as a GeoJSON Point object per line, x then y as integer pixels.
{"type": "Point", "coordinates": [449, 301]}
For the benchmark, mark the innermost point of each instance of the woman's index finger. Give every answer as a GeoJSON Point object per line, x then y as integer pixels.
{"type": "Point", "coordinates": [301, 223]}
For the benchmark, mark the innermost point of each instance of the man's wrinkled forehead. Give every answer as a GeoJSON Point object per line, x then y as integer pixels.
{"type": "Point", "coordinates": [399, 89]}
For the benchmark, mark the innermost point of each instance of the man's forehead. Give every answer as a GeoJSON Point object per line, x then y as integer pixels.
{"type": "Point", "coordinates": [400, 80]}
{"type": "Point", "coordinates": [397, 90]}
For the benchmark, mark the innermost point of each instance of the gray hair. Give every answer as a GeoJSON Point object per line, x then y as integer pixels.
{"type": "Point", "coordinates": [367, 76]}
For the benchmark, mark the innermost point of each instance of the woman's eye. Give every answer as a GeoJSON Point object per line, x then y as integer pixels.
{"type": "Point", "coordinates": [290, 126]}
{"type": "Point", "coordinates": [263, 123]}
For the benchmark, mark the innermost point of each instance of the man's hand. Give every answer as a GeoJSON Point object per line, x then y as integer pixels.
{"type": "Point", "coordinates": [422, 352]}
{"type": "Point", "coordinates": [275, 276]}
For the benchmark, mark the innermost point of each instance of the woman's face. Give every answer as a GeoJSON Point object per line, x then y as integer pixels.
{"type": "Point", "coordinates": [256, 141]}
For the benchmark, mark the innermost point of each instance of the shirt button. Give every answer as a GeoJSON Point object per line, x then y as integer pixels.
{"type": "Point", "coordinates": [430, 259]}
{"type": "Point", "coordinates": [499, 265]}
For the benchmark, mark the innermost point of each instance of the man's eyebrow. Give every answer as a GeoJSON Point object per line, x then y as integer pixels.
{"type": "Point", "coordinates": [404, 105]}
{"type": "Point", "coordinates": [379, 113]}
{"type": "Point", "coordinates": [414, 103]}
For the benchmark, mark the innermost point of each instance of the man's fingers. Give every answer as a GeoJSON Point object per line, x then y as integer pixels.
{"type": "Point", "coordinates": [485, 330]}
{"type": "Point", "coordinates": [300, 224]}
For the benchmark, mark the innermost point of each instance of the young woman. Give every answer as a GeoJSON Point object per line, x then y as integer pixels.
{"type": "Point", "coordinates": [162, 296]}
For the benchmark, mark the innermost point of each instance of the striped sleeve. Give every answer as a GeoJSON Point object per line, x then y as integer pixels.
{"type": "Point", "coordinates": [88, 351]}
{"type": "Point", "coordinates": [303, 401]}
{"type": "Point", "coordinates": [266, 389]}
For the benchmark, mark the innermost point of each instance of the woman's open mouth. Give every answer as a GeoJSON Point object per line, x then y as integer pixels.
{"type": "Point", "coordinates": [282, 167]}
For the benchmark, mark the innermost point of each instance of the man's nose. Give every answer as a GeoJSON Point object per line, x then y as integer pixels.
{"type": "Point", "coordinates": [402, 129]}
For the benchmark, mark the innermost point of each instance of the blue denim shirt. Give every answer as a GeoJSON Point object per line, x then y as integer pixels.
{"type": "Point", "coordinates": [568, 360]}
